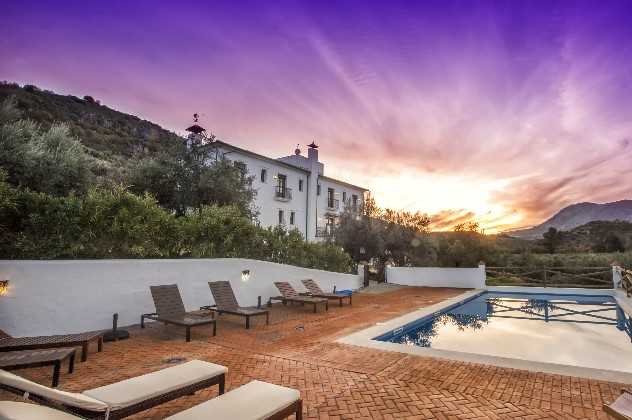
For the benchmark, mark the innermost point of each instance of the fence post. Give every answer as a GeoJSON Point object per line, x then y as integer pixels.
{"type": "Point", "coordinates": [483, 274]}
{"type": "Point", "coordinates": [616, 275]}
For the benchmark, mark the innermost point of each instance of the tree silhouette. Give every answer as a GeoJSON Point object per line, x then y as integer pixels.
{"type": "Point", "coordinates": [552, 239]}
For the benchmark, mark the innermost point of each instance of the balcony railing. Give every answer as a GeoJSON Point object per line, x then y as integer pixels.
{"type": "Point", "coordinates": [333, 204]}
{"type": "Point", "coordinates": [324, 231]}
{"type": "Point", "coordinates": [282, 194]}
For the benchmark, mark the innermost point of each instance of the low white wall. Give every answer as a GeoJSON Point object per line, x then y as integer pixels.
{"type": "Point", "coordinates": [57, 297]}
{"type": "Point", "coordinates": [437, 276]}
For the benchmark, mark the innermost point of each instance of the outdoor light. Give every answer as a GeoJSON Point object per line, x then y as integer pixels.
{"type": "Point", "coordinates": [4, 287]}
{"type": "Point", "coordinates": [245, 275]}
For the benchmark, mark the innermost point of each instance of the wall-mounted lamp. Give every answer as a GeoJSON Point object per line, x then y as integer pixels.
{"type": "Point", "coordinates": [4, 287]}
{"type": "Point", "coordinates": [245, 275]}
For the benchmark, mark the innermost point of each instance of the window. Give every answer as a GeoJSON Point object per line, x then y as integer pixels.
{"type": "Point", "coordinates": [241, 166]}
{"type": "Point", "coordinates": [354, 201]}
{"type": "Point", "coordinates": [281, 182]}
{"type": "Point", "coordinates": [292, 215]}
{"type": "Point", "coordinates": [300, 185]}
{"type": "Point", "coordinates": [344, 196]}
{"type": "Point", "coordinates": [330, 198]}
{"type": "Point", "coordinates": [281, 217]}
{"type": "Point", "coordinates": [264, 175]}
{"type": "Point", "coordinates": [281, 187]}
{"type": "Point", "coordinates": [318, 189]}
{"type": "Point", "coordinates": [329, 227]}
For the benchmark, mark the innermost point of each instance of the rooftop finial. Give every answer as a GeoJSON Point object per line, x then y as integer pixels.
{"type": "Point", "coordinates": [297, 151]}
{"type": "Point", "coordinates": [195, 128]}
{"type": "Point", "coordinates": [312, 145]}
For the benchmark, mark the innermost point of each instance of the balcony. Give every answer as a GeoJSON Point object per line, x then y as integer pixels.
{"type": "Point", "coordinates": [326, 231]}
{"type": "Point", "coordinates": [333, 205]}
{"type": "Point", "coordinates": [282, 194]}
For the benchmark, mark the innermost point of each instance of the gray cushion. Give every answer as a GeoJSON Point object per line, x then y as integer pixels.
{"type": "Point", "coordinates": [254, 401]}
{"type": "Point", "coordinates": [68, 398]}
{"type": "Point", "coordinates": [12, 410]}
{"type": "Point", "coordinates": [141, 388]}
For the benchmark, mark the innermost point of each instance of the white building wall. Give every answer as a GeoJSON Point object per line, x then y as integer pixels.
{"type": "Point", "coordinates": [265, 201]}
{"type": "Point", "coordinates": [340, 190]}
{"type": "Point", "coordinates": [59, 297]}
{"type": "Point", "coordinates": [310, 208]}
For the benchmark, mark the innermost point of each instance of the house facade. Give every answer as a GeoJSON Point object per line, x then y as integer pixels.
{"type": "Point", "coordinates": [293, 191]}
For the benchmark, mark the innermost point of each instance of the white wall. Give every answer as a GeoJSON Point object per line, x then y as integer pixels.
{"type": "Point", "coordinates": [310, 209]}
{"type": "Point", "coordinates": [437, 277]}
{"type": "Point", "coordinates": [616, 276]}
{"type": "Point", "coordinates": [339, 188]}
{"type": "Point", "coordinates": [56, 297]}
{"type": "Point", "coordinates": [264, 201]}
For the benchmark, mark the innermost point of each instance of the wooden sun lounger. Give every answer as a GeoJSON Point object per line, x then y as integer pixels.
{"type": "Point", "coordinates": [315, 290]}
{"type": "Point", "coordinates": [170, 310]}
{"type": "Point", "coordinates": [256, 400]}
{"type": "Point", "coordinates": [288, 294]}
{"type": "Point", "coordinates": [124, 398]}
{"type": "Point", "coordinates": [621, 408]}
{"type": "Point", "coordinates": [82, 340]}
{"type": "Point", "coordinates": [22, 359]}
{"type": "Point", "coordinates": [226, 303]}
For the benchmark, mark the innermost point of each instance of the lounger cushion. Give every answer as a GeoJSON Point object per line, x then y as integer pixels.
{"type": "Point", "coordinates": [140, 388]}
{"type": "Point", "coordinates": [623, 404]}
{"type": "Point", "coordinates": [68, 398]}
{"type": "Point", "coordinates": [254, 401]}
{"type": "Point", "coordinates": [12, 410]}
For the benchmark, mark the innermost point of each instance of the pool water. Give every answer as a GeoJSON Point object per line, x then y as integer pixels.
{"type": "Point", "coordinates": [578, 330]}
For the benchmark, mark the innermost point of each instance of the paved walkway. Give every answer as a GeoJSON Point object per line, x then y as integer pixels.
{"type": "Point", "coordinates": [344, 382]}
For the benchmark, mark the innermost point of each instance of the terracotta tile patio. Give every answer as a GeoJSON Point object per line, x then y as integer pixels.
{"type": "Point", "coordinates": [343, 382]}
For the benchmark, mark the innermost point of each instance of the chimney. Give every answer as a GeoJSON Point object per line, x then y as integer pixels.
{"type": "Point", "coordinates": [312, 152]}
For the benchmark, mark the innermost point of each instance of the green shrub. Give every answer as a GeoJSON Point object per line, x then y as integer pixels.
{"type": "Point", "coordinates": [218, 231]}
{"type": "Point", "coordinates": [118, 224]}
{"type": "Point", "coordinates": [50, 161]}
{"type": "Point", "coordinates": [115, 223]}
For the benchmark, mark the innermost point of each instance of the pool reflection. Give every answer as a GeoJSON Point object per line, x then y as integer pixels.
{"type": "Point", "coordinates": [589, 331]}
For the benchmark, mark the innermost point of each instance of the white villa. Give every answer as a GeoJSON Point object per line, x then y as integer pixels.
{"type": "Point", "coordinates": [293, 190]}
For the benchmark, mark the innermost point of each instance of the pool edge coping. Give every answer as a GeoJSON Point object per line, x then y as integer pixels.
{"type": "Point", "coordinates": [365, 337]}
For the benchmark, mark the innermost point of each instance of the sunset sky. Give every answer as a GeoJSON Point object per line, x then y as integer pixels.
{"type": "Point", "coordinates": [502, 111]}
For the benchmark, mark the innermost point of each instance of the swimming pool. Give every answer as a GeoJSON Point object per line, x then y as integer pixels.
{"type": "Point", "coordinates": [577, 330]}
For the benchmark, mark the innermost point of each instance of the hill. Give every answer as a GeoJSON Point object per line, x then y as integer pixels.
{"type": "Point", "coordinates": [577, 215]}
{"type": "Point", "coordinates": [599, 236]}
{"type": "Point", "coordinates": [107, 133]}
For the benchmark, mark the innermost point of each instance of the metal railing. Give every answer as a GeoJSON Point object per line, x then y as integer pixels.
{"type": "Point", "coordinates": [333, 204]}
{"type": "Point", "coordinates": [588, 277]}
{"type": "Point", "coordinates": [282, 194]}
{"type": "Point", "coordinates": [324, 231]}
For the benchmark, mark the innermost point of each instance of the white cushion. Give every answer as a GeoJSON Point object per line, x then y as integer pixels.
{"type": "Point", "coordinates": [254, 401]}
{"type": "Point", "coordinates": [68, 398]}
{"type": "Point", "coordinates": [141, 388]}
{"type": "Point", "coordinates": [12, 410]}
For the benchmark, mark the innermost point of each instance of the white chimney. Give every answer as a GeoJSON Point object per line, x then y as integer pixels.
{"type": "Point", "coordinates": [312, 152]}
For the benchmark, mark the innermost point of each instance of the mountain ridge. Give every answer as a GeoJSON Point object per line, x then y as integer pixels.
{"type": "Point", "coordinates": [106, 132]}
{"type": "Point", "coordinates": [579, 214]}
